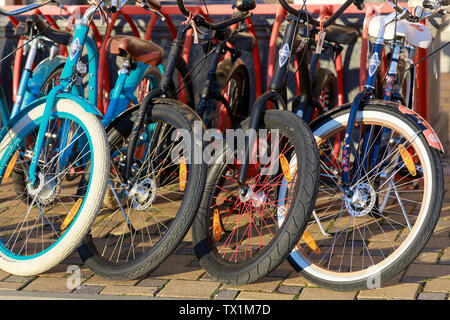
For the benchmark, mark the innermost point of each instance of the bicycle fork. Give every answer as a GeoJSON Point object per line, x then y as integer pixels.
{"type": "Point", "coordinates": [272, 95]}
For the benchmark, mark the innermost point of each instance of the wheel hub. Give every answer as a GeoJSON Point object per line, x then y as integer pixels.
{"type": "Point", "coordinates": [143, 194]}
{"type": "Point", "coordinates": [361, 201]}
{"type": "Point", "coordinates": [257, 198]}
{"type": "Point", "coordinates": [46, 190]}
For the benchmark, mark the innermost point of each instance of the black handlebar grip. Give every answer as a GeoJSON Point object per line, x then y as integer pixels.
{"type": "Point", "coordinates": [183, 9]}
{"type": "Point", "coordinates": [359, 4]}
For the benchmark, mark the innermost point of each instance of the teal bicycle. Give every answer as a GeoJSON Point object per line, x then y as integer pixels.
{"type": "Point", "coordinates": [146, 210]}
{"type": "Point", "coordinates": [43, 215]}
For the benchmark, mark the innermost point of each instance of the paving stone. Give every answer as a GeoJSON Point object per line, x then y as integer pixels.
{"type": "Point", "coordinates": [442, 228]}
{"type": "Point", "coordinates": [74, 258]}
{"type": "Point", "coordinates": [206, 277]}
{"type": "Point", "coordinates": [432, 296]}
{"type": "Point", "coordinates": [176, 267]}
{"type": "Point", "coordinates": [438, 242]}
{"type": "Point", "coordinates": [445, 259]}
{"type": "Point", "coordinates": [150, 282]}
{"type": "Point", "coordinates": [404, 291]}
{"type": "Point", "coordinates": [99, 281]}
{"type": "Point", "coordinates": [19, 279]}
{"type": "Point", "coordinates": [59, 271]}
{"type": "Point", "coordinates": [247, 295]}
{"type": "Point", "coordinates": [226, 295]}
{"type": "Point", "coordinates": [437, 285]}
{"type": "Point", "coordinates": [47, 284]}
{"type": "Point", "coordinates": [428, 271]}
{"type": "Point", "coordinates": [289, 289]}
{"type": "Point", "coordinates": [3, 274]}
{"type": "Point", "coordinates": [189, 289]}
{"type": "Point", "coordinates": [129, 290]}
{"type": "Point", "coordinates": [419, 280]}
{"type": "Point", "coordinates": [186, 251]}
{"type": "Point", "coordinates": [195, 264]}
{"type": "Point", "coordinates": [89, 290]}
{"type": "Point", "coordinates": [295, 279]}
{"type": "Point", "coordinates": [282, 271]}
{"type": "Point", "coordinates": [265, 284]}
{"type": "Point", "coordinates": [427, 257]}
{"type": "Point", "coordinates": [325, 294]}
{"type": "Point", "coordinates": [10, 285]}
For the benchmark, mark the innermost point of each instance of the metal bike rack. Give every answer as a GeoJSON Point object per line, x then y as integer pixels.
{"type": "Point", "coordinates": [421, 103]}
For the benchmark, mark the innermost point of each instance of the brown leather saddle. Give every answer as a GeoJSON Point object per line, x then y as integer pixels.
{"type": "Point", "coordinates": [144, 51]}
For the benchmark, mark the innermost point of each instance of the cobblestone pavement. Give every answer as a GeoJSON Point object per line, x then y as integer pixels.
{"type": "Point", "coordinates": [180, 277]}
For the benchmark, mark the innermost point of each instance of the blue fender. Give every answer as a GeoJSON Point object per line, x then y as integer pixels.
{"type": "Point", "coordinates": [82, 102]}
{"type": "Point", "coordinates": [40, 74]}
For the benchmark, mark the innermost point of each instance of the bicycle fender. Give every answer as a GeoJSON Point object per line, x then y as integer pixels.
{"type": "Point", "coordinates": [82, 102]}
{"type": "Point", "coordinates": [428, 132]}
{"type": "Point", "coordinates": [41, 73]}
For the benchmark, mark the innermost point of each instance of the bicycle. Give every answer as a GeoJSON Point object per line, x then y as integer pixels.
{"type": "Point", "coordinates": [45, 222]}
{"type": "Point", "coordinates": [152, 195]}
{"type": "Point", "coordinates": [381, 185]}
{"type": "Point", "coordinates": [240, 232]}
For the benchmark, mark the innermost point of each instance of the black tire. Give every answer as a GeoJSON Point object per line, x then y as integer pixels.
{"type": "Point", "coordinates": [234, 77]}
{"type": "Point", "coordinates": [344, 271]}
{"type": "Point", "coordinates": [325, 88]}
{"type": "Point", "coordinates": [273, 254]}
{"type": "Point", "coordinates": [182, 117]}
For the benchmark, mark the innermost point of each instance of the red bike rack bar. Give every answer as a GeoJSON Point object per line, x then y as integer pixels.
{"type": "Point", "coordinates": [217, 10]}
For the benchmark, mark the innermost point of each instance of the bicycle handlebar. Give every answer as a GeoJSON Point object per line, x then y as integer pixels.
{"type": "Point", "coordinates": [201, 21]}
{"type": "Point", "coordinates": [307, 17]}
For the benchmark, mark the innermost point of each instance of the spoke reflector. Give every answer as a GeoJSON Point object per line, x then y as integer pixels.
{"type": "Point", "coordinates": [309, 240]}
{"type": "Point", "coordinates": [216, 225]}
{"type": "Point", "coordinates": [407, 159]}
{"type": "Point", "coordinates": [285, 167]}
{"type": "Point", "coordinates": [183, 174]}
{"type": "Point", "coordinates": [10, 167]}
{"type": "Point", "coordinates": [72, 213]}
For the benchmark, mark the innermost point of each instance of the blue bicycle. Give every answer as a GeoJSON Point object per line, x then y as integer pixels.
{"type": "Point", "coordinates": [381, 185]}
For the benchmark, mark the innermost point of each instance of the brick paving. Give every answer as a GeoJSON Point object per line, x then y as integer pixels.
{"type": "Point", "coordinates": [427, 278]}
{"type": "Point", "coordinates": [181, 277]}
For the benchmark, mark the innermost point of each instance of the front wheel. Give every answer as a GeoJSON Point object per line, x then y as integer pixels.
{"type": "Point", "coordinates": [147, 218]}
{"type": "Point", "coordinates": [41, 224]}
{"type": "Point", "coordinates": [354, 241]}
{"type": "Point", "coordinates": [240, 237]}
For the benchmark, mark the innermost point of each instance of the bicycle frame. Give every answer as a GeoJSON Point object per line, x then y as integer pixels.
{"type": "Point", "coordinates": [273, 95]}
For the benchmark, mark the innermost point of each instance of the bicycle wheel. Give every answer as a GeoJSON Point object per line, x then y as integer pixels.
{"type": "Point", "coordinates": [325, 89]}
{"type": "Point", "coordinates": [238, 238]}
{"type": "Point", "coordinates": [357, 242]}
{"type": "Point", "coordinates": [42, 224]}
{"type": "Point", "coordinates": [151, 217]}
{"type": "Point", "coordinates": [234, 85]}
{"type": "Point", "coordinates": [180, 88]}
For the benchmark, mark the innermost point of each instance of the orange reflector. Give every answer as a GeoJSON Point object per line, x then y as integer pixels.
{"type": "Point", "coordinates": [10, 167]}
{"type": "Point", "coordinates": [216, 225]}
{"type": "Point", "coordinates": [285, 167]}
{"type": "Point", "coordinates": [72, 213]}
{"type": "Point", "coordinates": [309, 240]}
{"type": "Point", "coordinates": [183, 174]}
{"type": "Point", "coordinates": [408, 160]}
